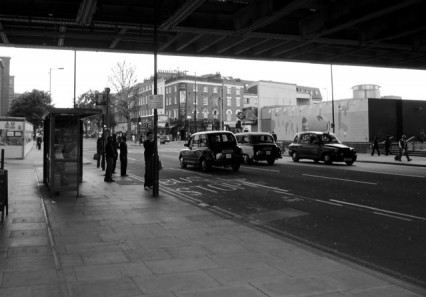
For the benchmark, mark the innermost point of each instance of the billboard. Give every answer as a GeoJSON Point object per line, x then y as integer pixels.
{"type": "Point", "coordinates": [351, 119]}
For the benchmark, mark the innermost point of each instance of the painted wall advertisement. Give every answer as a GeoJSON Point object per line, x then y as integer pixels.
{"type": "Point", "coordinates": [351, 119]}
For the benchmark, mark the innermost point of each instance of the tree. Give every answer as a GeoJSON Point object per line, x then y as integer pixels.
{"type": "Point", "coordinates": [90, 100]}
{"type": "Point", "coordinates": [32, 105]}
{"type": "Point", "coordinates": [123, 81]}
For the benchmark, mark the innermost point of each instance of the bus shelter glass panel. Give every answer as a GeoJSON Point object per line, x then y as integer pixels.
{"type": "Point", "coordinates": [65, 152]}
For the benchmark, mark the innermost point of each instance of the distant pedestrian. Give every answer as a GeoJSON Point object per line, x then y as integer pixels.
{"type": "Point", "coordinates": [123, 156]}
{"type": "Point", "coordinates": [375, 146]}
{"type": "Point", "coordinates": [274, 135]}
{"type": "Point", "coordinates": [387, 143]}
{"type": "Point", "coordinates": [115, 145]}
{"type": "Point", "coordinates": [403, 148]}
{"type": "Point", "coordinates": [99, 150]}
{"type": "Point", "coordinates": [149, 146]}
{"type": "Point", "coordinates": [39, 139]}
{"type": "Point", "coordinates": [109, 154]}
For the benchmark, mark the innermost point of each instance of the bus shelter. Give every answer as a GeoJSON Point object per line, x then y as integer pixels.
{"type": "Point", "coordinates": [63, 148]}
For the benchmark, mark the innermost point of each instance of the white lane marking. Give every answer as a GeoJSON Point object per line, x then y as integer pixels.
{"type": "Point", "coordinates": [395, 217]}
{"type": "Point", "coordinates": [254, 168]}
{"type": "Point", "coordinates": [342, 179]}
{"type": "Point", "coordinates": [390, 173]}
{"type": "Point", "coordinates": [380, 210]}
{"type": "Point", "coordinates": [328, 202]}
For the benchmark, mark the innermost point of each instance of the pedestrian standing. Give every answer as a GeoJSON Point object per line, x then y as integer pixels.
{"type": "Point", "coordinates": [375, 146]}
{"type": "Point", "coordinates": [149, 146]}
{"type": "Point", "coordinates": [388, 145]}
{"type": "Point", "coordinates": [115, 146]}
{"type": "Point", "coordinates": [274, 135]}
{"type": "Point", "coordinates": [109, 154]}
{"type": "Point", "coordinates": [99, 150]}
{"type": "Point", "coordinates": [403, 148]}
{"type": "Point", "coordinates": [123, 156]}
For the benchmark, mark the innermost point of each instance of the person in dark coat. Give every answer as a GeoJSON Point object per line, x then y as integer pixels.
{"type": "Point", "coordinates": [123, 156]}
{"type": "Point", "coordinates": [99, 150]}
{"type": "Point", "coordinates": [109, 155]}
{"type": "Point", "coordinates": [388, 145]}
{"type": "Point", "coordinates": [375, 146]}
{"type": "Point", "coordinates": [149, 146]}
{"type": "Point", "coordinates": [115, 145]}
{"type": "Point", "coordinates": [39, 140]}
{"type": "Point", "coordinates": [403, 148]}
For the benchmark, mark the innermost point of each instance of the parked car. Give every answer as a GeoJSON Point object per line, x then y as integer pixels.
{"type": "Point", "coordinates": [258, 146]}
{"type": "Point", "coordinates": [211, 148]}
{"type": "Point", "coordinates": [164, 139]}
{"type": "Point", "coordinates": [320, 146]}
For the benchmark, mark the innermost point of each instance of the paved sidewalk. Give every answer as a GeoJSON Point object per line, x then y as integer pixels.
{"type": "Point", "coordinates": [117, 240]}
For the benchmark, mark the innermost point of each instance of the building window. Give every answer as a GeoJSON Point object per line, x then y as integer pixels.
{"type": "Point", "coordinates": [229, 115]}
{"type": "Point", "coordinates": [205, 114]}
{"type": "Point", "coordinates": [215, 101]}
{"type": "Point", "coordinates": [205, 89]}
{"type": "Point", "coordinates": [215, 114]}
{"type": "Point", "coordinates": [206, 100]}
{"type": "Point", "coordinates": [238, 102]}
{"type": "Point", "coordinates": [238, 92]}
{"type": "Point", "coordinates": [215, 90]}
{"type": "Point", "coordinates": [228, 91]}
{"type": "Point", "coordinates": [228, 101]}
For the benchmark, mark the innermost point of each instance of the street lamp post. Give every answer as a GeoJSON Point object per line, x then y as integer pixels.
{"type": "Point", "coordinates": [50, 78]}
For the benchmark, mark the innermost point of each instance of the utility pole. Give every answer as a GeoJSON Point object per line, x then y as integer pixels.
{"type": "Point", "coordinates": [195, 102]}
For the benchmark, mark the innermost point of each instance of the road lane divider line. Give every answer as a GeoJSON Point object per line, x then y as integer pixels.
{"type": "Point", "coordinates": [328, 202]}
{"type": "Point", "coordinates": [341, 179]}
{"type": "Point", "coordinates": [390, 173]}
{"type": "Point", "coordinates": [261, 169]}
{"type": "Point", "coordinates": [395, 217]}
{"type": "Point", "coordinates": [262, 186]}
{"type": "Point", "coordinates": [380, 210]}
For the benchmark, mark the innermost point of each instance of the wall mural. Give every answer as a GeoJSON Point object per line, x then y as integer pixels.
{"type": "Point", "coordinates": [351, 119]}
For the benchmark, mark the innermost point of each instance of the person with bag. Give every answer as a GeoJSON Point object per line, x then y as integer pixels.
{"type": "Point", "coordinates": [149, 147]}
{"type": "Point", "coordinates": [403, 148]}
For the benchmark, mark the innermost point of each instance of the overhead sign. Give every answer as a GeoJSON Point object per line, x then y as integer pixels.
{"type": "Point", "coordinates": [155, 101]}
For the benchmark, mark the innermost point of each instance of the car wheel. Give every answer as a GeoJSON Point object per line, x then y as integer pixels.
{"type": "Point", "coordinates": [247, 159]}
{"type": "Point", "coordinates": [235, 166]}
{"type": "Point", "coordinates": [205, 166]}
{"type": "Point", "coordinates": [182, 163]}
{"type": "Point", "coordinates": [271, 161]}
{"type": "Point", "coordinates": [295, 157]}
{"type": "Point", "coordinates": [316, 160]}
{"type": "Point", "coordinates": [327, 159]}
{"type": "Point", "coordinates": [349, 163]}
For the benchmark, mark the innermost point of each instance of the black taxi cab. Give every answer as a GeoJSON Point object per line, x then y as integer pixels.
{"type": "Point", "coordinates": [320, 146]}
{"type": "Point", "coordinates": [211, 148]}
{"type": "Point", "coordinates": [258, 146]}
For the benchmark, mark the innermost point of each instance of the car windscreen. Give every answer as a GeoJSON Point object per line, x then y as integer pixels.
{"type": "Point", "coordinates": [262, 139]}
{"type": "Point", "coordinates": [224, 138]}
{"type": "Point", "coordinates": [328, 138]}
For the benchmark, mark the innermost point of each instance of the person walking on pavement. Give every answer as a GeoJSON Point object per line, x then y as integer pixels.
{"type": "Point", "coordinates": [375, 146]}
{"type": "Point", "coordinates": [109, 154]}
{"type": "Point", "coordinates": [403, 148]}
{"type": "Point", "coordinates": [39, 140]}
{"type": "Point", "coordinates": [99, 150]}
{"type": "Point", "coordinates": [123, 156]}
{"type": "Point", "coordinates": [149, 146]}
{"type": "Point", "coordinates": [115, 145]}
{"type": "Point", "coordinates": [388, 145]}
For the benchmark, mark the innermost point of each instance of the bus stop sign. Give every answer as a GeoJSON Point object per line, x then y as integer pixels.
{"type": "Point", "coordinates": [155, 101]}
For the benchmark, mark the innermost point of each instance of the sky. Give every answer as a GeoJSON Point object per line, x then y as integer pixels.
{"type": "Point", "coordinates": [31, 68]}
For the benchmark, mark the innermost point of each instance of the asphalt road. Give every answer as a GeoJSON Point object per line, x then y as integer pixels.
{"type": "Point", "coordinates": [373, 214]}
